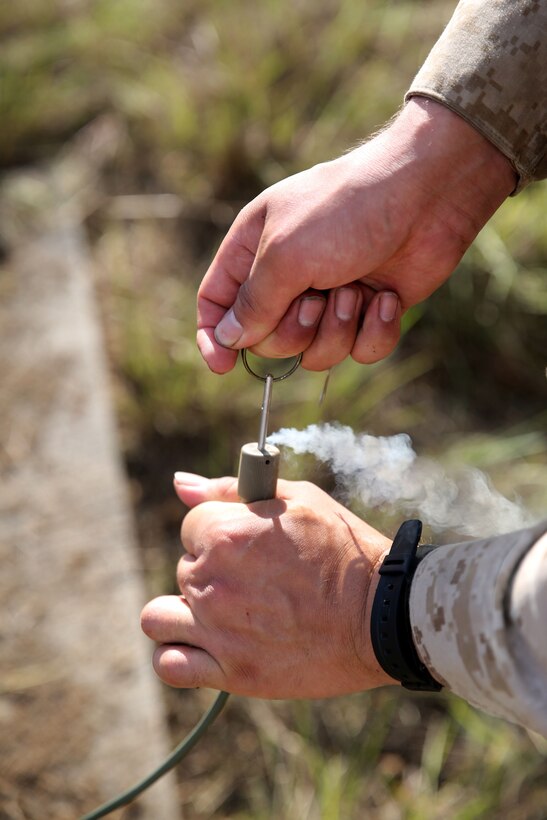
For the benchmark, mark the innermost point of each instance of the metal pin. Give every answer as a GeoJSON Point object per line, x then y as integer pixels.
{"type": "Point", "coordinates": [265, 411]}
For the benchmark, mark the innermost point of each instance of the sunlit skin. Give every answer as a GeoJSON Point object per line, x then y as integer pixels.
{"type": "Point", "coordinates": [394, 215]}
{"type": "Point", "coordinates": [276, 596]}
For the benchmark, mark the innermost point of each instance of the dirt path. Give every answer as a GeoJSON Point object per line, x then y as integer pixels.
{"type": "Point", "coordinates": [81, 714]}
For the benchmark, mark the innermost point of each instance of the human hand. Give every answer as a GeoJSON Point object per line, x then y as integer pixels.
{"type": "Point", "coordinates": [276, 595]}
{"type": "Point", "coordinates": [326, 261]}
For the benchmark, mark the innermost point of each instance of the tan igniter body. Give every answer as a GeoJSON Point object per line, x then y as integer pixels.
{"type": "Point", "coordinates": [258, 461]}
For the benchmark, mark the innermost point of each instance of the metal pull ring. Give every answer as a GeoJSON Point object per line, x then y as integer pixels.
{"type": "Point", "coordinates": [286, 375]}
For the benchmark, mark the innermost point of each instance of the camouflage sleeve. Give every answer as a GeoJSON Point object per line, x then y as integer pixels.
{"type": "Point", "coordinates": [490, 67]}
{"type": "Point", "coordinates": [479, 612]}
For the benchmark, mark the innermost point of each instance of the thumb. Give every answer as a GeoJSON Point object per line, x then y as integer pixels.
{"type": "Point", "coordinates": [261, 302]}
{"type": "Point", "coordinates": [194, 489]}
{"type": "Point", "coordinates": [261, 295]}
{"type": "Point", "coordinates": [239, 302]}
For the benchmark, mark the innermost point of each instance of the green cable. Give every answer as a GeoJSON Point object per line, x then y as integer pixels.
{"type": "Point", "coordinates": [176, 755]}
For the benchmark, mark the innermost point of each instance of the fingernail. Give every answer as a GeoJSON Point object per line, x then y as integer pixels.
{"type": "Point", "coordinates": [388, 306]}
{"type": "Point", "coordinates": [311, 308]}
{"type": "Point", "coordinates": [228, 331]}
{"type": "Point", "coordinates": [189, 479]}
{"type": "Point", "coordinates": [345, 300]}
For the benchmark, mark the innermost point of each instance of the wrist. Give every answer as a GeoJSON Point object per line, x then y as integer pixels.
{"type": "Point", "coordinates": [455, 165]}
{"type": "Point", "coordinates": [379, 677]}
{"type": "Point", "coordinates": [390, 627]}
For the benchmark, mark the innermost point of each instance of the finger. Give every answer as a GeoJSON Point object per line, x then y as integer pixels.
{"type": "Point", "coordinates": [336, 334]}
{"type": "Point", "coordinates": [296, 330]}
{"type": "Point", "coordinates": [381, 329]}
{"type": "Point", "coordinates": [169, 619]}
{"type": "Point", "coordinates": [206, 521]}
{"type": "Point", "coordinates": [195, 489]}
{"type": "Point", "coordinates": [188, 667]}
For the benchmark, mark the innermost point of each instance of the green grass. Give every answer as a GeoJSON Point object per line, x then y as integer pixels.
{"type": "Point", "coordinates": [216, 100]}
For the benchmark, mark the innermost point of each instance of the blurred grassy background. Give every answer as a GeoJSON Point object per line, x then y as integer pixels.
{"type": "Point", "coordinates": [209, 102]}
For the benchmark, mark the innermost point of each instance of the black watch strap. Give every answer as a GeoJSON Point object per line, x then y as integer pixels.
{"type": "Point", "coordinates": [390, 620]}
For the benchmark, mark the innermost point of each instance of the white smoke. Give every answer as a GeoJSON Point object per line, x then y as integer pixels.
{"type": "Point", "coordinates": [386, 470]}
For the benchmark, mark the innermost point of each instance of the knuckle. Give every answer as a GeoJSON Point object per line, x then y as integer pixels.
{"type": "Point", "coordinates": [275, 240]}
{"type": "Point", "coordinates": [227, 488]}
{"type": "Point", "coordinates": [202, 522]}
{"type": "Point", "coordinates": [186, 571]}
{"type": "Point", "coordinates": [188, 523]}
{"type": "Point", "coordinates": [210, 600]}
{"type": "Point", "coordinates": [305, 487]}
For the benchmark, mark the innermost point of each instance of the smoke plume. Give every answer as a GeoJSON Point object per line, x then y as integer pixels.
{"type": "Point", "coordinates": [386, 471]}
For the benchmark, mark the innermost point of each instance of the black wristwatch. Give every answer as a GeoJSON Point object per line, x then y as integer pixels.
{"type": "Point", "coordinates": [390, 620]}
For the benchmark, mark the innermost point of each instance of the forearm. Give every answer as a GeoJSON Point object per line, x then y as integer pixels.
{"type": "Point", "coordinates": [490, 67]}
{"type": "Point", "coordinates": [478, 612]}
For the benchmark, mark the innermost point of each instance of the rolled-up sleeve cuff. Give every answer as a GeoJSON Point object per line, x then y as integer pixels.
{"type": "Point", "coordinates": [467, 628]}
{"type": "Point", "coordinates": [490, 67]}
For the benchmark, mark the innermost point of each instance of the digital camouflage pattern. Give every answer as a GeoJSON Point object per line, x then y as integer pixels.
{"type": "Point", "coordinates": [490, 67]}
{"type": "Point", "coordinates": [479, 616]}
{"type": "Point", "coordinates": [479, 609]}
